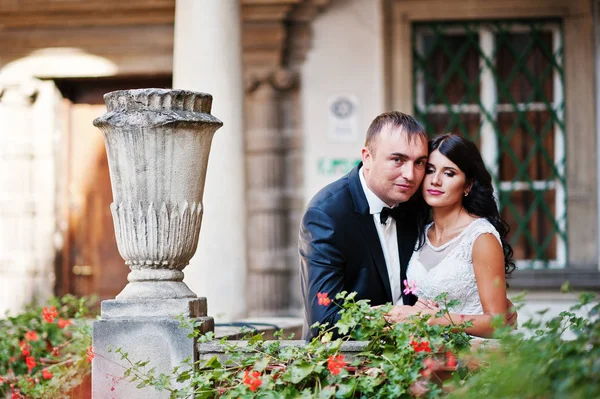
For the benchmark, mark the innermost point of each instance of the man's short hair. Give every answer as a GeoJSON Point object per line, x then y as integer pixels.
{"type": "Point", "coordinates": [394, 119]}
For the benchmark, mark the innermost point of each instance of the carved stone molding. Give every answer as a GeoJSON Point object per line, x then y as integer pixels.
{"type": "Point", "coordinates": [157, 237]}
{"type": "Point", "coordinates": [279, 79]}
{"type": "Point", "coordinates": [272, 29]}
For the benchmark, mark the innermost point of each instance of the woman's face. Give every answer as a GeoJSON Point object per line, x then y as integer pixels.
{"type": "Point", "coordinates": [444, 183]}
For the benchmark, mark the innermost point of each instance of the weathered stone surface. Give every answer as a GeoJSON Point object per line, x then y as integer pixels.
{"type": "Point", "coordinates": [130, 308]}
{"type": "Point", "coordinates": [161, 341]}
{"type": "Point", "coordinates": [157, 142]}
{"type": "Point", "coordinates": [207, 351]}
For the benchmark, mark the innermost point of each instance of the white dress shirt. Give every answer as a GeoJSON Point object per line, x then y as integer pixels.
{"type": "Point", "coordinates": [387, 237]}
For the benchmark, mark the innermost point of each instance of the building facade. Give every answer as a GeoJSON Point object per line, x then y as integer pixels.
{"type": "Point", "coordinates": [517, 77]}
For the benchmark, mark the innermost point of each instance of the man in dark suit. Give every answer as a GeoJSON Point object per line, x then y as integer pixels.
{"type": "Point", "coordinates": [353, 236]}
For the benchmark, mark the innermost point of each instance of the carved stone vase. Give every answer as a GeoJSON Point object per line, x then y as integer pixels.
{"type": "Point", "coordinates": [158, 142]}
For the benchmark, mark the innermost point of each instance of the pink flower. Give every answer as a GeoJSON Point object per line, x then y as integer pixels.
{"type": "Point", "coordinates": [419, 388]}
{"type": "Point", "coordinates": [410, 287]}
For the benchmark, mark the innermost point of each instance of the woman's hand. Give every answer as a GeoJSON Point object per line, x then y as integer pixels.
{"type": "Point", "coordinates": [426, 304]}
{"type": "Point", "coordinates": [399, 313]}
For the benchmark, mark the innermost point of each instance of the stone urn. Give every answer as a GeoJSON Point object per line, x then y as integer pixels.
{"type": "Point", "coordinates": [158, 142]}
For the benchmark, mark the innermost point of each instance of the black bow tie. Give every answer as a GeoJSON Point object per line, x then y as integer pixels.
{"type": "Point", "coordinates": [386, 212]}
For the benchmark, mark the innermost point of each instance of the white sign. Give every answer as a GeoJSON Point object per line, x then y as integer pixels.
{"type": "Point", "coordinates": [343, 118]}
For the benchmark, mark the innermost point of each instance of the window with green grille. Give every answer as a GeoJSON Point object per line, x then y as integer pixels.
{"type": "Point", "coordinates": [500, 83]}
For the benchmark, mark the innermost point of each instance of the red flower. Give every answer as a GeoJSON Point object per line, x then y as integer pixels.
{"type": "Point", "coordinates": [252, 379]}
{"type": "Point", "coordinates": [30, 362]}
{"type": "Point", "coordinates": [62, 323]}
{"type": "Point", "coordinates": [24, 349]}
{"type": "Point", "coordinates": [50, 314]}
{"type": "Point", "coordinates": [323, 299]}
{"type": "Point", "coordinates": [31, 336]}
{"type": "Point", "coordinates": [451, 359]}
{"type": "Point", "coordinates": [46, 374]}
{"type": "Point", "coordinates": [16, 395]}
{"type": "Point", "coordinates": [1, 380]}
{"type": "Point", "coordinates": [335, 364]}
{"type": "Point", "coordinates": [90, 354]}
{"type": "Point", "coordinates": [421, 346]}
{"type": "Point", "coordinates": [55, 351]}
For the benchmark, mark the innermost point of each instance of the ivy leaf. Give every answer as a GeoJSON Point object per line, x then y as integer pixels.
{"type": "Point", "coordinates": [261, 364]}
{"type": "Point", "coordinates": [327, 392]}
{"type": "Point", "coordinates": [213, 363]}
{"type": "Point", "coordinates": [388, 353]}
{"type": "Point", "coordinates": [300, 370]}
{"type": "Point", "coordinates": [346, 389]}
{"type": "Point", "coordinates": [256, 338]}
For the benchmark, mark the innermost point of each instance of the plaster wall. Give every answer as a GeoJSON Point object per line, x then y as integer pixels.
{"type": "Point", "coordinates": [346, 60]}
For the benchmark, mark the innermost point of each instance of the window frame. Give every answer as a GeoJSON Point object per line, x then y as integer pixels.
{"type": "Point", "coordinates": [489, 147]}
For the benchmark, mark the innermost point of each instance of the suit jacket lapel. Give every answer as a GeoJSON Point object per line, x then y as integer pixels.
{"type": "Point", "coordinates": [367, 228]}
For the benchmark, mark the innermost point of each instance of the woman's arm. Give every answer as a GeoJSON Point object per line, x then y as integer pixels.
{"type": "Point", "coordinates": [488, 265]}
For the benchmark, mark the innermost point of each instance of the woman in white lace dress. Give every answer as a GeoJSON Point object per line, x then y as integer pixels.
{"type": "Point", "coordinates": [463, 252]}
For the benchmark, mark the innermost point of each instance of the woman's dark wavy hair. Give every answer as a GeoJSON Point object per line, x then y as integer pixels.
{"type": "Point", "coordinates": [480, 201]}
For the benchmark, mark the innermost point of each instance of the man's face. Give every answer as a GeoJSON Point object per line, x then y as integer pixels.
{"type": "Point", "coordinates": [394, 166]}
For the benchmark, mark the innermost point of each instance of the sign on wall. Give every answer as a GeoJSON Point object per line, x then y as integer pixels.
{"type": "Point", "coordinates": [336, 166]}
{"type": "Point", "coordinates": [343, 118]}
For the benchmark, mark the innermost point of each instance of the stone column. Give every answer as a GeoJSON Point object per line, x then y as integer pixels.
{"type": "Point", "coordinates": [28, 129]}
{"type": "Point", "coordinates": [207, 58]}
{"type": "Point", "coordinates": [157, 142]}
{"type": "Point", "coordinates": [269, 268]}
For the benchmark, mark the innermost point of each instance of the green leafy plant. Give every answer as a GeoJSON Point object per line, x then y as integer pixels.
{"type": "Point", "coordinates": [45, 351]}
{"type": "Point", "coordinates": [559, 358]}
{"type": "Point", "coordinates": [397, 360]}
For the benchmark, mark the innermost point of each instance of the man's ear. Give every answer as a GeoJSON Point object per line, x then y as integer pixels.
{"type": "Point", "coordinates": [366, 157]}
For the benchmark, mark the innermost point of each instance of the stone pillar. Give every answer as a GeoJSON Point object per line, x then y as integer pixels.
{"type": "Point", "coordinates": [28, 186]}
{"type": "Point", "coordinates": [157, 142]}
{"type": "Point", "coordinates": [269, 268]}
{"type": "Point", "coordinates": [207, 58]}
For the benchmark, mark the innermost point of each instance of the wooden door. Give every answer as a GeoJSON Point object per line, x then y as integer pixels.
{"type": "Point", "coordinates": [90, 263]}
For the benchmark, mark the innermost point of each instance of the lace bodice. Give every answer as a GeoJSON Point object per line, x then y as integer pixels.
{"type": "Point", "coordinates": [449, 268]}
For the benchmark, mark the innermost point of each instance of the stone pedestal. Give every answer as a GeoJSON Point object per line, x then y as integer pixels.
{"type": "Point", "coordinates": [157, 142]}
{"type": "Point", "coordinates": [146, 330]}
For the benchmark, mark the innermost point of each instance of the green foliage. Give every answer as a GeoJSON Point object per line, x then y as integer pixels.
{"type": "Point", "coordinates": [392, 365]}
{"type": "Point", "coordinates": [43, 351]}
{"type": "Point", "coordinates": [559, 358]}
{"type": "Point", "coordinates": [410, 359]}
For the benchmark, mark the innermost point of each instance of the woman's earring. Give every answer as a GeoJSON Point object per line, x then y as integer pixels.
{"type": "Point", "coordinates": [466, 193]}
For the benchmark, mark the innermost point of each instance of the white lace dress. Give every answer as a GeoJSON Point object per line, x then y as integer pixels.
{"type": "Point", "coordinates": [449, 268]}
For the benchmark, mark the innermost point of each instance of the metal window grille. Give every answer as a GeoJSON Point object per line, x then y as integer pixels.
{"type": "Point", "coordinates": [500, 84]}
